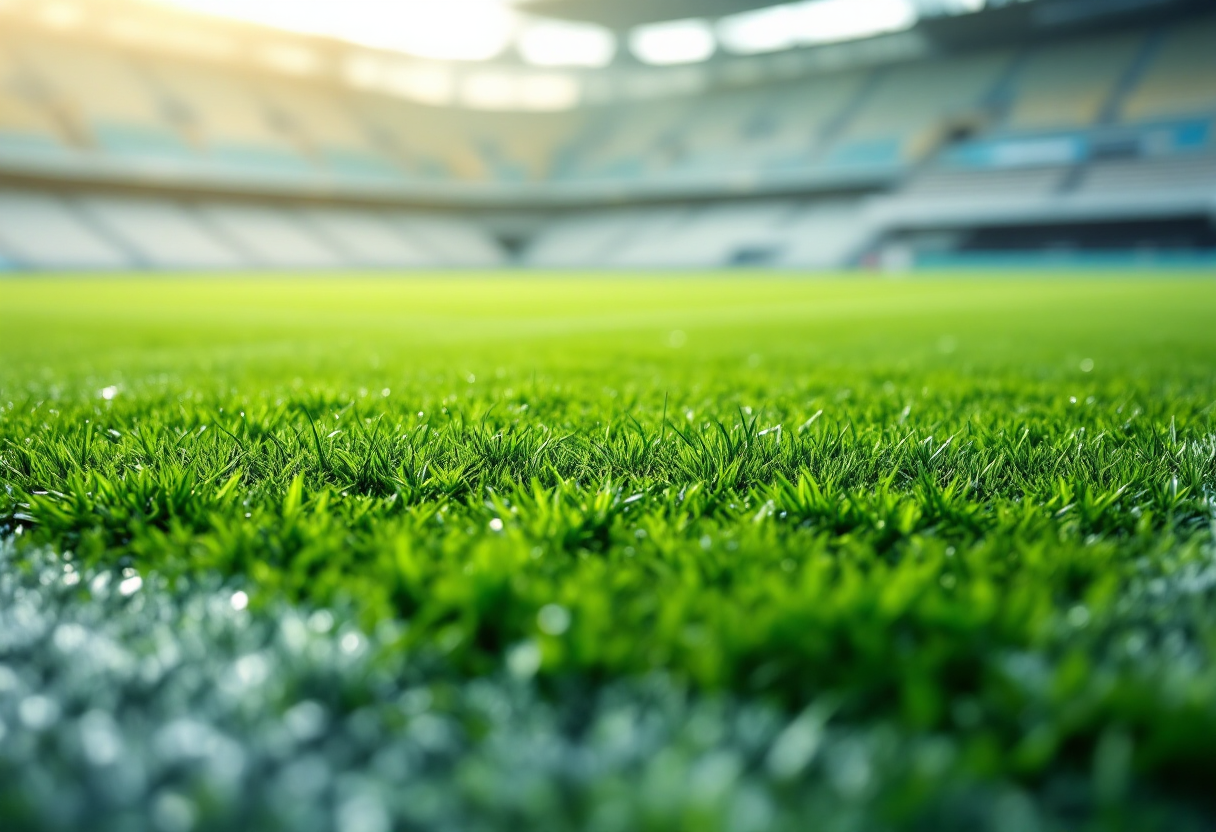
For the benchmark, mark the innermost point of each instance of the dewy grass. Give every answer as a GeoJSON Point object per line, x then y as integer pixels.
{"type": "Point", "coordinates": [740, 553]}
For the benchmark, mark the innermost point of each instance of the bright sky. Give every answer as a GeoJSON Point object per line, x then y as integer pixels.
{"type": "Point", "coordinates": [446, 29]}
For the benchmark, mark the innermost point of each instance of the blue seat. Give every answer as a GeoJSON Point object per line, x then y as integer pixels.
{"type": "Point", "coordinates": [886, 152]}
{"type": "Point", "coordinates": [507, 171]}
{"type": "Point", "coordinates": [356, 164]}
{"type": "Point", "coordinates": [628, 168]}
{"type": "Point", "coordinates": [141, 141]}
{"type": "Point", "coordinates": [260, 159]}
{"type": "Point", "coordinates": [31, 144]}
{"type": "Point", "coordinates": [433, 169]}
{"type": "Point", "coordinates": [786, 162]}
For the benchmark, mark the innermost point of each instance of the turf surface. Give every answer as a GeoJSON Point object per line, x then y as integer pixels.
{"type": "Point", "coordinates": [718, 552]}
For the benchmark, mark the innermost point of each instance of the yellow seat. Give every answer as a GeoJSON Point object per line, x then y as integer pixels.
{"type": "Point", "coordinates": [1067, 85]}
{"type": "Point", "coordinates": [1182, 79]}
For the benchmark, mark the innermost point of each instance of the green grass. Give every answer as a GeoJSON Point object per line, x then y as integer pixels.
{"type": "Point", "coordinates": [964, 525]}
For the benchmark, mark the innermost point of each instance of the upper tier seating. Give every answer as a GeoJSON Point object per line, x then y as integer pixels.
{"type": "Point", "coordinates": [329, 130]}
{"type": "Point", "coordinates": [432, 140]}
{"type": "Point", "coordinates": [230, 120]}
{"type": "Point", "coordinates": [105, 96]}
{"type": "Point", "coordinates": [67, 105]}
{"type": "Point", "coordinates": [713, 138]}
{"type": "Point", "coordinates": [522, 146]}
{"type": "Point", "coordinates": [795, 124]}
{"type": "Point", "coordinates": [901, 116]}
{"type": "Point", "coordinates": [1181, 80]}
{"type": "Point", "coordinates": [26, 127]}
{"type": "Point", "coordinates": [1067, 84]}
{"type": "Point", "coordinates": [390, 126]}
{"type": "Point", "coordinates": [26, 123]}
{"type": "Point", "coordinates": [624, 145]}
{"type": "Point", "coordinates": [770, 128]}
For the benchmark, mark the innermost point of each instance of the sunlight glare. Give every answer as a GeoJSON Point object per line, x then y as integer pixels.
{"type": "Point", "coordinates": [462, 30]}
{"type": "Point", "coordinates": [814, 22]}
{"type": "Point", "coordinates": [673, 42]}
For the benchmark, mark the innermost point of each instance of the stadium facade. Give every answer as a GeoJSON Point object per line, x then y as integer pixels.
{"type": "Point", "coordinates": [1047, 131]}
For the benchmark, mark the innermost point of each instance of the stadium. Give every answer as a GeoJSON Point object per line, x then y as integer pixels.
{"type": "Point", "coordinates": [142, 137]}
{"type": "Point", "coordinates": [708, 415]}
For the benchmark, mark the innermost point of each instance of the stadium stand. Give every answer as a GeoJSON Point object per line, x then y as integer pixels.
{"type": "Point", "coordinates": [715, 138]}
{"type": "Point", "coordinates": [1181, 81]}
{"type": "Point", "coordinates": [27, 123]}
{"type": "Point", "coordinates": [795, 234]}
{"type": "Point", "coordinates": [450, 241]}
{"type": "Point", "coordinates": [104, 101]}
{"type": "Point", "coordinates": [366, 238]}
{"type": "Point", "coordinates": [270, 236]}
{"type": "Point", "coordinates": [581, 239]}
{"type": "Point", "coordinates": [26, 127]}
{"type": "Point", "coordinates": [724, 234]}
{"type": "Point", "coordinates": [902, 116]}
{"type": "Point", "coordinates": [159, 233]}
{"type": "Point", "coordinates": [809, 168]}
{"type": "Point", "coordinates": [947, 183]}
{"type": "Point", "coordinates": [1068, 84]}
{"type": "Point", "coordinates": [1185, 174]}
{"type": "Point", "coordinates": [639, 143]}
{"type": "Point", "coordinates": [519, 148]}
{"type": "Point", "coordinates": [232, 125]}
{"type": "Point", "coordinates": [826, 234]}
{"type": "Point", "coordinates": [390, 128]}
{"type": "Point", "coordinates": [799, 120]}
{"type": "Point", "coordinates": [42, 231]}
{"type": "Point", "coordinates": [330, 135]}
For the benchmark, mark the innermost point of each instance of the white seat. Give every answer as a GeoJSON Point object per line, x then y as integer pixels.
{"type": "Point", "coordinates": [40, 231]}
{"type": "Point", "coordinates": [163, 234]}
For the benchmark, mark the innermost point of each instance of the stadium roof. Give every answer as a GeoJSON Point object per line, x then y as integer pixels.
{"type": "Point", "coordinates": [624, 14]}
{"type": "Point", "coordinates": [593, 33]}
{"type": "Point", "coordinates": [659, 32]}
{"type": "Point", "coordinates": [518, 55]}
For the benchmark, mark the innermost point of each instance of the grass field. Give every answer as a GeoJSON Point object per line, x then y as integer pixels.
{"type": "Point", "coordinates": [608, 553]}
